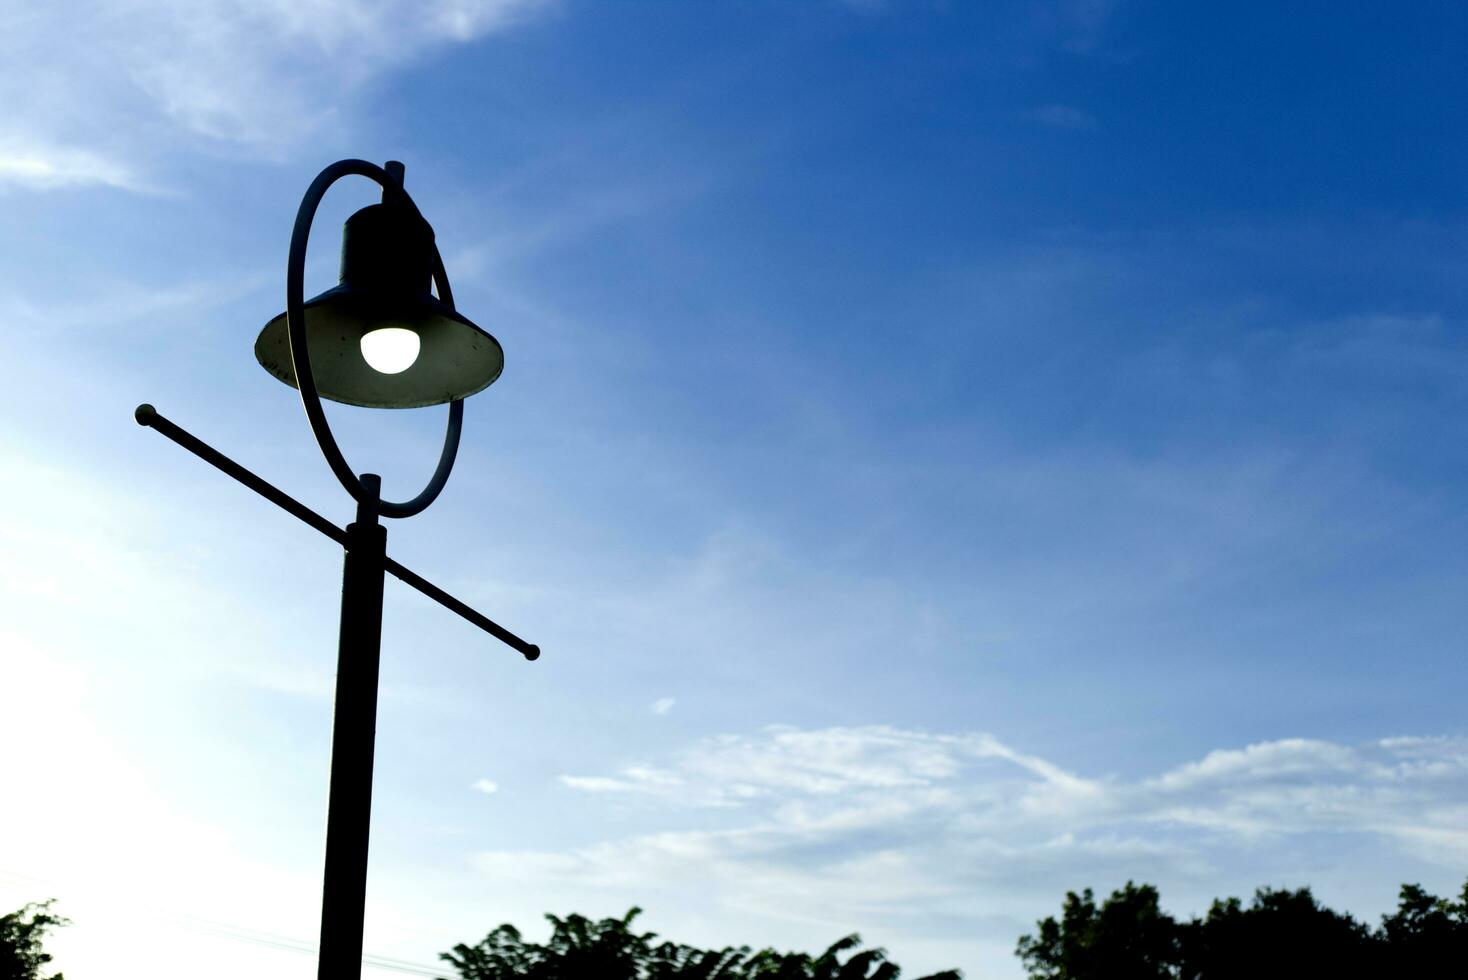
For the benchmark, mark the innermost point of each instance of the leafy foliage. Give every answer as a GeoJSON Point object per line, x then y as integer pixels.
{"type": "Point", "coordinates": [21, 934]}
{"type": "Point", "coordinates": [1127, 936]}
{"type": "Point", "coordinates": [612, 950]}
{"type": "Point", "coordinates": [1279, 934]}
{"type": "Point", "coordinates": [1427, 933]}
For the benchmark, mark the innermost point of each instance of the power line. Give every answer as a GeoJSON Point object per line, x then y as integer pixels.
{"type": "Point", "coordinates": [259, 938]}
{"type": "Point", "coordinates": [256, 937]}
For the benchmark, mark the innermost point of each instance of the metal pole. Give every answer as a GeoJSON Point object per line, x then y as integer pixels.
{"type": "Point", "coordinates": [354, 729]}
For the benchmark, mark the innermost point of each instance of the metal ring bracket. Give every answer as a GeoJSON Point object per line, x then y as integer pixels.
{"type": "Point", "coordinates": [391, 181]}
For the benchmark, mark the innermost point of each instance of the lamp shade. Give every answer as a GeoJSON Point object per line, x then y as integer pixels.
{"type": "Point", "coordinates": [381, 339]}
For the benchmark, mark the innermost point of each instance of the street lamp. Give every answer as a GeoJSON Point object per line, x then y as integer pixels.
{"type": "Point", "coordinates": [380, 339]}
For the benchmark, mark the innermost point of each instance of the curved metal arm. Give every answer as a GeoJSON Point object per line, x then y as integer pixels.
{"type": "Point", "coordinates": [295, 308]}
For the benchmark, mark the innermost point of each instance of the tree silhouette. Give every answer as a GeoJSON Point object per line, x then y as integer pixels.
{"type": "Point", "coordinates": [1427, 933]}
{"type": "Point", "coordinates": [1279, 935]}
{"type": "Point", "coordinates": [1127, 936]}
{"type": "Point", "coordinates": [21, 934]}
{"type": "Point", "coordinates": [611, 950]}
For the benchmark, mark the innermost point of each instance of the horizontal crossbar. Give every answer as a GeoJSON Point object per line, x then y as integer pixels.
{"type": "Point", "coordinates": [148, 416]}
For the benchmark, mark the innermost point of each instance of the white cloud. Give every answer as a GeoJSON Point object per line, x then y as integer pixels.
{"type": "Point", "coordinates": [1262, 762]}
{"type": "Point", "coordinates": [639, 779]}
{"type": "Point", "coordinates": [485, 786]}
{"type": "Point", "coordinates": [833, 762]}
{"type": "Point", "coordinates": [38, 167]}
{"type": "Point", "coordinates": [145, 309]}
{"type": "Point", "coordinates": [890, 827]}
{"type": "Point", "coordinates": [1058, 116]}
{"type": "Point", "coordinates": [663, 705]}
{"type": "Point", "coordinates": [1081, 24]}
{"type": "Point", "coordinates": [136, 79]}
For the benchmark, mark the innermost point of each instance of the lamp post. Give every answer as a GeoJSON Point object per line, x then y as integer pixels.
{"type": "Point", "coordinates": [380, 339]}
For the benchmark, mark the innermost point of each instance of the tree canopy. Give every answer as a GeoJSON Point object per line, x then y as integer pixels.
{"type": "Point", "coordinates": [1279, 934]}
{"type": "Point", "coordinates": [21, 935]}
{"type": "Point", "coordinates": [612, 950]}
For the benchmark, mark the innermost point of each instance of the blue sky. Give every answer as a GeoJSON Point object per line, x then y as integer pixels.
{"type": "Point", "coordinates": [949, 453]}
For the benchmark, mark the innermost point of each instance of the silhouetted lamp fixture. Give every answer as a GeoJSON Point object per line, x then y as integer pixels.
{"type": "Point", "coordinates": [380, 339]}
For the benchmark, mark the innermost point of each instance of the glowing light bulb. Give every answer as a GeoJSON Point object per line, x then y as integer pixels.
{"type": "Point", "coordinates": [390, 350]}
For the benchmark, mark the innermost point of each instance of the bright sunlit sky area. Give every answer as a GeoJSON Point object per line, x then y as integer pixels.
{"type": "Point", "coordinates": [950, 453]}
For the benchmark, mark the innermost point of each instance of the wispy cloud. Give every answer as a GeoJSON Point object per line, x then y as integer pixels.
{"type": "Point", "coordinates": [1395, 787]}
{"type": "Point", "coordinates": [879, 824]}
{"type": "Point", "coordinates": [663, 705]}
{"type": "Point", "coordinates": [1058, 116]}
{"type": "Point", "coordinates": [134, 80]}
{"type": "Point", "coordinates": [35, 166]}
{"type": "Point", "coordinates": [142, 306]}
{"type": "Point", "coordinates": [1082, 23]}
{"type": "Point", "coordinates": [486, 786]}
